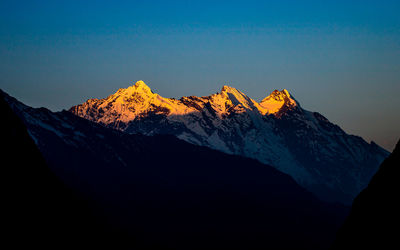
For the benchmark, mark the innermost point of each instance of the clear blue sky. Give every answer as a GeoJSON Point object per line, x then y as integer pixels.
{"type": "Point", "coordinates": [340, 58]}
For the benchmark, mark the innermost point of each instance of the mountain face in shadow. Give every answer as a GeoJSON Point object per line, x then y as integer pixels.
{"type": "Point", "coordinates": [277, 131]}
{"type": "Point", "coordinates": [38, 208]}
{"type": "Point", "coordinates": [152, 192]}
{"type": "Point", "coordinates": [374, 218]}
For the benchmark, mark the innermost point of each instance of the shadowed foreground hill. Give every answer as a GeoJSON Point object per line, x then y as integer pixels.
{"type": "Point", "coordinates": [38, 208]}
{"type": "Point", "coordinates": [151, 192]}
{"type": "Point", "coordinates": [374, 221]}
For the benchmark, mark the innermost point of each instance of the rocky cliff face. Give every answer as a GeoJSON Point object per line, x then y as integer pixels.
{"type": "Point", "coordinates": [277, 131]}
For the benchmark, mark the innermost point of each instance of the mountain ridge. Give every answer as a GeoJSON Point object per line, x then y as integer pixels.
{"type": "Point", "coordinates": [276, 131]}
{"type": "Point", "coordinates": [160, 192]}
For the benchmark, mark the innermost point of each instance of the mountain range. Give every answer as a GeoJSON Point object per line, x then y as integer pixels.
{"type": "Point", "coordinates": [277, 131]}
{"type": "Point", "coordinates": [128, 191]}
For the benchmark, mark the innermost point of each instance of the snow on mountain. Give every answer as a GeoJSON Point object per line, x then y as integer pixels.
{"type": "Point", "coordinates": [277, 131]}
{"type": "Point", "coordinates": [162, 192]}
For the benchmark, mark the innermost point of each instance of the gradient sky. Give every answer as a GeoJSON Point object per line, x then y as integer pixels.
{"type": "Point", "coordinates": [340, 58]}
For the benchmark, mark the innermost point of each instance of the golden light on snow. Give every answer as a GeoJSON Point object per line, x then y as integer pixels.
{"type": "Point", "coordinates": [135, 100]}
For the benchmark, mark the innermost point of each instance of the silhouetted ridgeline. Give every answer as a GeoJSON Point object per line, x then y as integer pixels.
{"type": "Point", "coordinates": [374, 221]}
{"type": "Point", "coordinates": [155, 192]}
{"type": "Point", "coordinates": [38, 208]}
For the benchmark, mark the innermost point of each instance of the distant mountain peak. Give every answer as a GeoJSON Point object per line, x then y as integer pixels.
{"type": "Point", "coordinates": [278, 99]}
{"type": "Point", "coordinates": [227, 88]}
{"type": "Point", "coordinates": [138, 88]}
{"type": "Point", "coordinates": [139, 98]}
{"type": "Point", "coordinates": [279, 95]}
{"type": "Point", "coordinates": [141, 86]}
{"type": "Point", "coordinates": [237, 97]}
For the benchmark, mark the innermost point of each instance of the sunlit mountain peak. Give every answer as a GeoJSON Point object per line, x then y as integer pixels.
{"type": "Point", "coordinates": [138, 87]}
{"type": "Point", "coordinates": [277, 99]}
{"type": "Point", "coordinates": [227, 88]}
{"type": "Point", "coordinates": [237, 97]}
{"type": "Point", "coordinates": [138, 100]}
{"type": "Point", "coordinates": [141, 85]}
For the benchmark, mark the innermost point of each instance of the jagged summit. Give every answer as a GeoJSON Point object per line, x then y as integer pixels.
{"type": "Point", "coordinates": [237, 97]}
{"type": "Point", "coordinates": [279, 95]}
{"type": "Point", "coordinates": [139, 87]}
{"type": "Point", "coordinates": [129, 103]}
{"type": "Point", "coordinates": [227, 88]}
{"type": "Point", "coordinates": [231, 90]}
{"type": "Point", "coordinates": [278, 99]}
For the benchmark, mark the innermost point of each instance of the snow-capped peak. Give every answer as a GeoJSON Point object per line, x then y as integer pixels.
{"type": "Point", "coordinates": [138, 88]}
{"type": "Point", "coordinates": [137, 100]}
{"type": "Point", "coordinates": [227, 88]}
{"type": "Point", "coordinates": [278, 99]}
{"type": "Point", "coordinates": [142, 87]}
{"type": "Point", "coordinates": [237, 97]}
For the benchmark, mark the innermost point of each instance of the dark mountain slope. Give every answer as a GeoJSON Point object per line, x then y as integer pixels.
{"type": "Point", "coordinates": [161, 192]}
{"type": "Point", "coordinates": [38, 208]}
{"type": "Point", "coordinates": [374, 219]}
